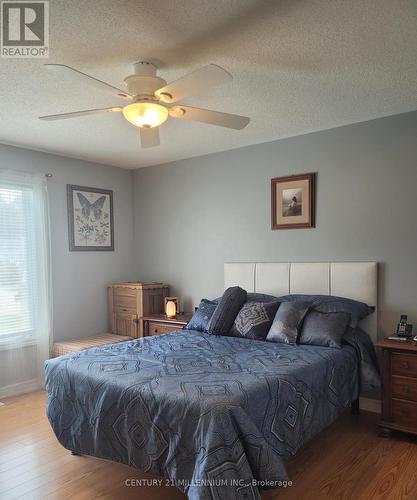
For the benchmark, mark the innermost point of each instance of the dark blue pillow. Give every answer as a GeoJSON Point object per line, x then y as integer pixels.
{"type": "Point", "coordinates": [328, 303]}
{"type": "Point", "coordinates": [202, 316]}
{"type": "Point", "coordinates": [256, 297]}
{"type": "Point", "coordinates": [226, 311]}
{"type": "Point", "coordinates": [324, 329]}
{"type": "Point", "coordinates": [287, 322]}
{"type": "Point", "coordinates": [254, 320]}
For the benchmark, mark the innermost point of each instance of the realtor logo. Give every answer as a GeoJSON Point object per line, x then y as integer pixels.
{"type": "Point", "coordinates": [24, 29]}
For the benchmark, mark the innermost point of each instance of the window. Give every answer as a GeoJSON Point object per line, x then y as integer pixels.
{"type": "Point", "coordinates": [24, 260]}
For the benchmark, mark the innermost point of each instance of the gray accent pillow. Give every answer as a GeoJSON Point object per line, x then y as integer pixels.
{"type": "Point", "coordinates": [329, 303]}
{"type": "Point", "coordinates": [254, 320]}
{"type": "Point", "coordinates": [226, 311]}
{"type": "Point", "coordinates": [287, 322]}
{"type": "Point", "coordinates": [324, 329]}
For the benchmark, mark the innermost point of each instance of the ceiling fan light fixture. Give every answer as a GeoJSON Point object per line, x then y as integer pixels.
{"type": "Point", "coordinates": [145, 114]}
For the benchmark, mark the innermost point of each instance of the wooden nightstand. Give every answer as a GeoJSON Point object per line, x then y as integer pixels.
{"type": "Point", "coordinates": [156, 324]}
{"type": "Point", "coordinates": [399, 386]}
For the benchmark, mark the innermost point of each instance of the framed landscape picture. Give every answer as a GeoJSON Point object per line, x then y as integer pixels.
{"type": "Point", "coordinates": [90, 218]}
{"type": "Point", "coordinates": [293, 201]}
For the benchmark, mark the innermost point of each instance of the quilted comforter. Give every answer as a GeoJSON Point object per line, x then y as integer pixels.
{"type": "Point", "coordinates": [217, 415]}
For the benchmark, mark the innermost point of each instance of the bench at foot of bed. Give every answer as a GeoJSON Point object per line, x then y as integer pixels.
{"type": "Point", "coordinates": [75, 345]}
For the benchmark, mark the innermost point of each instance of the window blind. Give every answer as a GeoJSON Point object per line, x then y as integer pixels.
{"type": "Point", "coordinates": [17, 260]}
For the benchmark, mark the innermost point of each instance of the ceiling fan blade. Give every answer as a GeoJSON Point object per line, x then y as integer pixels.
{"type": "Point", "coordinates": [149, 137]}
{"type": "Point", "coordinates": [74, 114]}
{"type": "Point", "coordinates": [196, 82]}
{"type": "Point", "coordinates": [91, 79]}
{"type": "Point", "coordinates": [212, 117]}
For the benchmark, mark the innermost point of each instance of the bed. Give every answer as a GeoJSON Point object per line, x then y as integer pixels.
{"type": "Point", "coordinates": [218, 416]}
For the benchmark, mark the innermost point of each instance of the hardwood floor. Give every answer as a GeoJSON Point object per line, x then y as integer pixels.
{"type": "Point", "coordinates": [349, 460]}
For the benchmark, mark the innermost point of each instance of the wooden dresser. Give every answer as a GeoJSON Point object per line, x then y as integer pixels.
{"type": "Point", "coordinates": [130, 301]}
{"type": "Point", "coordinates": [399, 386]}
{"type": "Point", "coordinates": [157, 324]}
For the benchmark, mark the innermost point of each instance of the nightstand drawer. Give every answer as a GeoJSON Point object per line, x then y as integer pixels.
{"type": "Point", "coordinates": [404, 388]}
{"type": "Point", "coordinates": [404, 413]}
{"type": "Point", "coordinates": [404, 364]}
{"type": "Point", "coordinates": [157, 324]}
{"type": "Point", "coordinates": [160, 328]}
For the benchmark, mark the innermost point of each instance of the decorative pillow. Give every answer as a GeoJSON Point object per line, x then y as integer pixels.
{"type": "Point", "coordinates": [226, 311]}
{"type": "Point", "coordinates": [324, 329]}
{"type": "Point", "coordinates": [287, 322]}
{"type": "Point", "coordinates": [254, 320]}
{"type": "Point", "coordinates": [329, 303]}
{"type": "Point", "coordinates": [202, 316]}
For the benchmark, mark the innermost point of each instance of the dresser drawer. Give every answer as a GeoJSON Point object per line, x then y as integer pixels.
{"type": "Point", "coordinates": [404, 388]}
{"type": "Point", "coordinates": [404, 364]}
{"type": "Point", "coordinates": [124, 292]}
{"type": "Point", "coordinates": [404, 413]}
{"type": "Point", "coordinates": [125, 303]}
{"type": "Point", "coordinates": [160, 328]}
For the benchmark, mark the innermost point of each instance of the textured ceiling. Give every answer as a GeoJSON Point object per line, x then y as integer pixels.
{"type": "Point", "coordinates": [298, 66]}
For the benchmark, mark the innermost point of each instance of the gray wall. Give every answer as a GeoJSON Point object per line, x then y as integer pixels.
{"type": "Point", "coordinates": [191, 216]}
{"type": "Point", "coordinates": [80, 278]}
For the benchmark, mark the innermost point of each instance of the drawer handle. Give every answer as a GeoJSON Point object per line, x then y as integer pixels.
{"type": "Point", "coordinates": [124, 309]}
{"type": "Point", "coordinates": [406, 365]}
{"type": "Point", "coordinates": [406, 389]}
{"type": "Point", "coordinates": [155, 330]}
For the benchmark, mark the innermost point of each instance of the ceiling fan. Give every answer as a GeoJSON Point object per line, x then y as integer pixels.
{"type": "Point", "coordinates": [151, 97]}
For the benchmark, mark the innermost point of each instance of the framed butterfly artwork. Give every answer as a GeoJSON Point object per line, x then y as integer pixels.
{"type": "Point", "coordinates": [90, 219]}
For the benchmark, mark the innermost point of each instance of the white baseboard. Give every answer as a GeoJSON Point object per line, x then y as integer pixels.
{"type": "Point", "coordinates": [368, 404]}
{"type": "Point", "coordinates": [20, 388]}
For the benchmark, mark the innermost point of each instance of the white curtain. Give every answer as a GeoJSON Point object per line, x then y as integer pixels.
{"type": "Point", "coordinates": [25, 281]}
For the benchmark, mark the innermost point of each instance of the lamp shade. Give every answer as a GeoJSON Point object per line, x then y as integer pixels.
{"type": "Point", "coordinates": [145, 114]}
{"type": "Point", "coordinates": [171, 309]}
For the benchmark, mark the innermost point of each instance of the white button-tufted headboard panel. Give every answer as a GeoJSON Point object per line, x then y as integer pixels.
{"type": "Point", "coordinates": [354, 280]}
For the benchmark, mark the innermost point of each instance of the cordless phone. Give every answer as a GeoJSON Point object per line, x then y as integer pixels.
{"type": "Point", "coordinates": [403, 328]}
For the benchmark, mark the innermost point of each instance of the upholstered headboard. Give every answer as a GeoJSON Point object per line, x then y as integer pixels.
{"type": "Point", "coordinates": [354, 280]}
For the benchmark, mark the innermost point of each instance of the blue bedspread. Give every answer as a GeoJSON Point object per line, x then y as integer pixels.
{"type": "Point", "coordinates": [215, 414]}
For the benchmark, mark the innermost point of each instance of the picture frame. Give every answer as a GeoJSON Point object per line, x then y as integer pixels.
{"type": "Point", "coordinates": [90, 219]}
{"type": "Point", "coordinates": [293, 201]}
